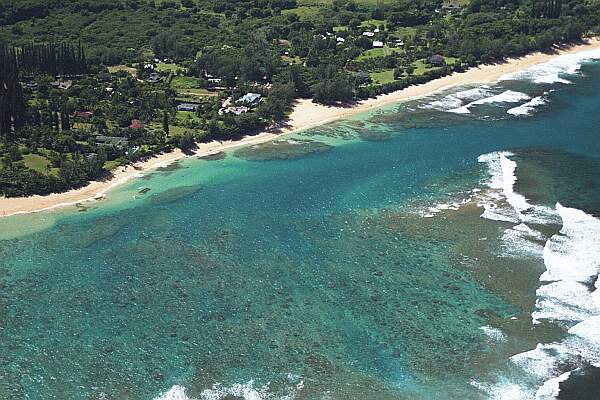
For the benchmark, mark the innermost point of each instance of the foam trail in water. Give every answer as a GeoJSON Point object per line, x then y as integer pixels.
{"type": "Point", "coordinates": [550, 72]}
{"type": "Point", "coordinates": [507, 96]}
{"type": "Point", "coordinates": [175, 393]}
{"type": "Point", "coordinates": [527, 108]}
{"type": "Point", "coordinates": [501, 184]}
{"type": "Point", "coordinates": [455, 100]}
{"type": "Point", "coordinates": [245, 391]}
{"type": "Point", "coordinates": [568, 298]}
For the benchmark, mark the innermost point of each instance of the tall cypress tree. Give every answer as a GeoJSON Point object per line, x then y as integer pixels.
{"type": "Point", "coordinates": [166, 123]}
{"type": "Point", "coordinates": [12, 104]}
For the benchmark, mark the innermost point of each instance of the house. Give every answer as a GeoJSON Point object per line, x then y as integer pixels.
{"type": "Point", "coordinates": [364, 78]}
{"type": "Point", "coordinates": [153, 78]}
{"type": "Point", "coordinates": [450, 5]}
{"type": "Point", "coordinates": [437, 60]}
{"type": "Point", "coordinates": [136, 124]}
{"type": "Point", "coordinates": [368, 34]}
{"type": "Point", "coordinates": [235, 110]}
{"type": "Point", "coordinates": [187, 107]}
{"type": "Point", "coordinates": [60, 84]}
{"type": "Point", "coordinates": [83, 114]}
{"type": "Point", "coordinates": [249, 98]}
{"type": "Point", "coordinates": [377, 44]}
{"type": "Point", "coordinates": [118, 141]}
{"type": "Point", "coordinates": [340, 40]}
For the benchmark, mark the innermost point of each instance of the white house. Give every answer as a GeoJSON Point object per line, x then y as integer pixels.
{"type": "Point", "coordinates": [249, 98]}
{"type": "Point", "coordinates": [368, 34]}
{"type": "Point", "coordinates": [377, 44]}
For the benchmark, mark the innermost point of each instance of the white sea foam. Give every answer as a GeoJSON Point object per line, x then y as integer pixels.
{"type": "Point", "coordinates": [508, 96]}
{"type": "Point", "coordinates": [501, 182]}
{"type": "Point", "coordinates": [521, 240]}
{"type": "Point", "coordinates": [550, 72]}
{"type": "Point", "coordinates": [551, 388]}
{"type": "Point", "coordinates": [503, 391]}
{"type": "Point", "coordinates": [175, 393]}
{"type": "Point", "coordinates": [494, 334]}
{"type": "Point", "coordinates": [574, 254]}
{"type": "Point", "coordinates": [527, 108]}
{"type": "Point", "coordinates": [245, 391]}
{"type": "Point", "coordinates": [455, 100]}
{"type": "Point", "coordinates": [566, 297]}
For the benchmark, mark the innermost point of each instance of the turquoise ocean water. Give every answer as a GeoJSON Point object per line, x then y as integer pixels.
{"type": "Point", "coordinates": [445, 248]}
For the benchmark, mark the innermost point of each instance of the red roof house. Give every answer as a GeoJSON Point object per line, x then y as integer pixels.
{"type": "Point", "coordinates": [136, 124]}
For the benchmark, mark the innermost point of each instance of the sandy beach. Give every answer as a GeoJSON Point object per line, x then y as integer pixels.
{"type": "Point", "coordinates": [306, 114]}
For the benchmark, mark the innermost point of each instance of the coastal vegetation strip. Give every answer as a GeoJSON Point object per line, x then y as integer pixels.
{"type": "Point", "coordinates": [91, 86]}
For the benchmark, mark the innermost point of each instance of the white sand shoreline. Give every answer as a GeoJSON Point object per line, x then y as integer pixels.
{"type": "Point", "coordinates": [304, 116]}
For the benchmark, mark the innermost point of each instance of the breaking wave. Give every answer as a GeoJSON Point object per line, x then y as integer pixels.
{"type": "Point", "coordinates": [569, 295]}
{"type": "Point", "coordinates": [555, 70]}
{"type": "Point", "coordinates": [508, 96]}
{"type": "Point", "coordinates": [245, 391]}
{"type": "Point", "coordinates": [527, 108]}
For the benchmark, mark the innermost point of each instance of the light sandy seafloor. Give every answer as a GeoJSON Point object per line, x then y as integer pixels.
{"type": "Point", "coordinates": [305, 114]}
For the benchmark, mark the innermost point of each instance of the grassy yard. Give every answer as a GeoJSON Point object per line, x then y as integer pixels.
{"type": "Point", "coordinates": [194, 95]}
{"type": "Point", "coordinates": [385, 51]}
{"type": "Point", "coordinates": [110, 165]}
{"type": "Point", "coordinates": [186, 115]}
{"type": "Point", "coordinates": [304, 12]}
{"type": "Point", "coordinates": [372, 22]}
{"type": "Point", "coordinates": [405, 32]}
{"type": "Point", "coordinates": [117, 68]}
{"type": "Point", "coordinates": [185, 82]}
{"type": "Point", "coordinates": [383, 77]}
{"type": "Point", "coordinates": [292, 60]}
{"type": "Point", "coordinates": [36, 162]}
{"type": "Point", "coordinates": [39, 164]}
{"type": "Point", "coordinates": [168, 68]}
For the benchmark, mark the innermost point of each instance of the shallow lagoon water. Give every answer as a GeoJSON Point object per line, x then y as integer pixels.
{"type": "Point", "coordinates": [357, 266]}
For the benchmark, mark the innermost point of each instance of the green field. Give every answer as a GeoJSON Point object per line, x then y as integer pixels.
{"type": "Point", "coordinates": [36, 162]}
{"type": "Point", "coordinates": [168, 68]}
{"type": "Point", "coordinates": [383, 77]}
{"type": "Point", "coordinates": [385, 51]}
{"type": "Point", "coordinates": [185, 82]}
{"type": "Point", "coordinates": [125, 68]}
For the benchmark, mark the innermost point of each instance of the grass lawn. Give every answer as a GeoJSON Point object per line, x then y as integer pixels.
{"type": "Point", "coordinates": [383, 77]}
{"type": "Point", "coordinates": [82, 125]}
{"type": "Point", "coordinates": [184, 82]}
{"type": "Point", "coordinates": [117, 68]}
{"type": "Point", "coordinates": [166, 67]}
{"type": "Point", "coordinates": [405, 32]}
{"type": "Point", "coordinates": [36, 162]}
{"type": "Point", "coordinates": [372, 22]}
{"type": "Point", "coordinates": [293, 60]}
{"type": "Point", "coordinates": [420, 67]}
{"type": "Point", "coordinates": [110, 165]}
{"type": "Point", "coordinates": [385, 51]}
{"type": "Point", "coordinates": [194, 95]}
{"type": "Point", "coordinates": [304, 12]}
{"type": "Point", "coordinates": [186, 115]}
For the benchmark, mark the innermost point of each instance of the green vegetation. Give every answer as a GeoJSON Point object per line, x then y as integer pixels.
{"type": "Point", "coordinates": [380, 52]}
{"type": "Point", "coordinates": [383, 77]}
{"type": "Point", "coordinates": [109, 82]}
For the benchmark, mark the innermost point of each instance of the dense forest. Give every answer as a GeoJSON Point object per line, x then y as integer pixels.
{"type": "Point", "coordinates": [87, 86]}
